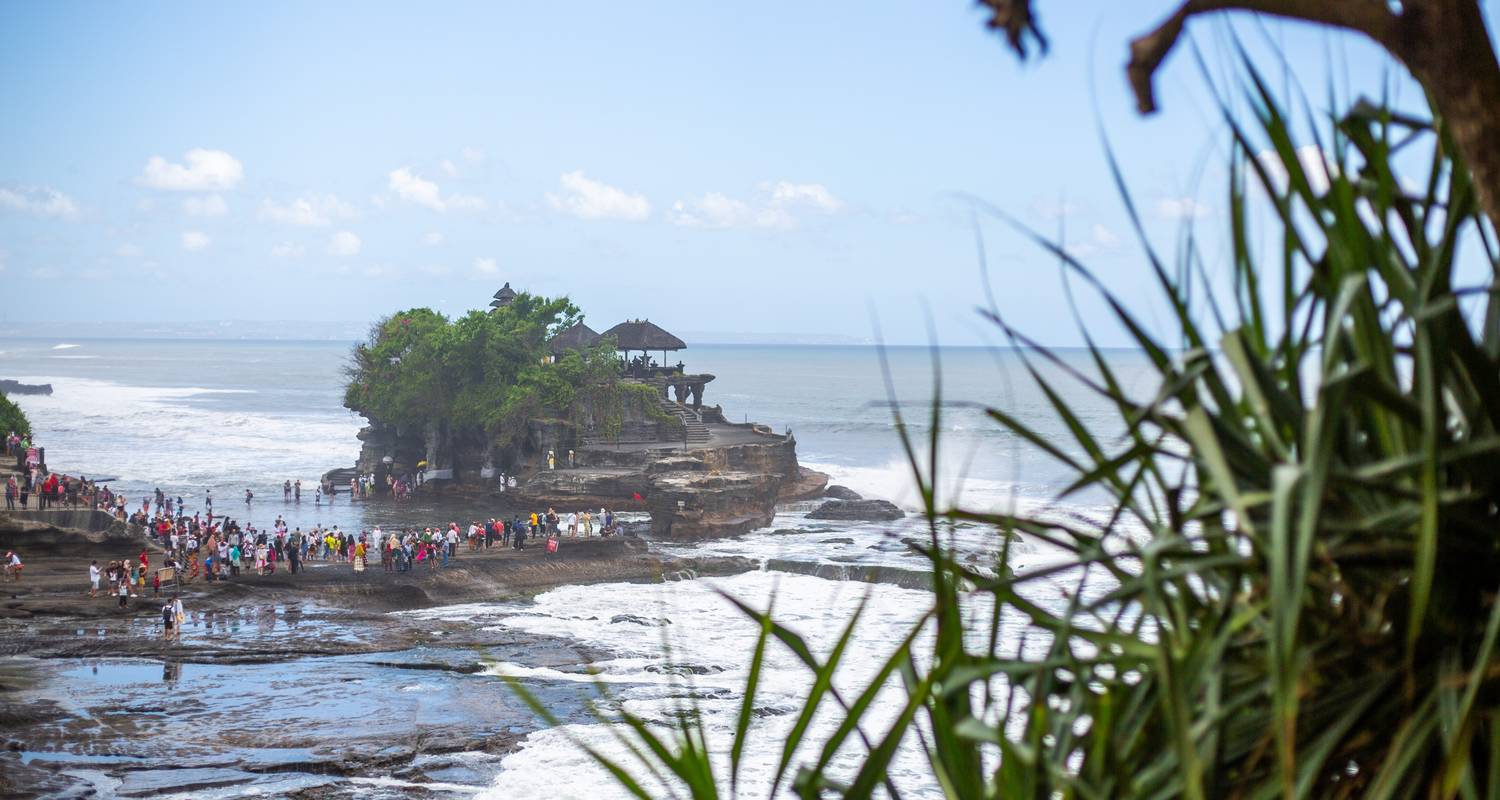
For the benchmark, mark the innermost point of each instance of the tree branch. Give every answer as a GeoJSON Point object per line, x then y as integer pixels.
{"type": "Point", "coordinates": [1015, 18]}
{"type": "Point", "coordinates": [1370, 17]}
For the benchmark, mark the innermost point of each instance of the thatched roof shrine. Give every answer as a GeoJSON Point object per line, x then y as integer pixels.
{"type": "Point", "coordinates": [576, 337]}
{"type": "Point", "coordinates": [643, 335]}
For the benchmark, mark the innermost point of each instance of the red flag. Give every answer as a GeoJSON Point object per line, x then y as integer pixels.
{"type": "Point", "coordinates": [637, 497]}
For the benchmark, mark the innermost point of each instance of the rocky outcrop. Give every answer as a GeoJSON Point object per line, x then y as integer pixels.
{"type": "Point", "coordinates": [842, 493]}
{"type": "Point", "coordinates": [728, 485]}
{"type": "Point", "coordinates": [8, 386]}
{"type": "Point", "coordinates": [858, 510]}
{"type": "Point", "coordinates": [61, 528]}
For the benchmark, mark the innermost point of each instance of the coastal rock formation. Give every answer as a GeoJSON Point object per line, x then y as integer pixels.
{"type": "Point", "coordinates": [858, 510]}
{"type": "Point", "coordinates": [841, 493]}
{"type": "Point", "coordinates": [609, 427]}
{"type": "Point", "coordinates": [712, 491]}
{"type": "Point", "coordinates": [8, 386]}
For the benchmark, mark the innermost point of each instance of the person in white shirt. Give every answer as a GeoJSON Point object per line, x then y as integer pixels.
{"type": "Point", "coordinates": [572, 523]}
{"type": "Point", "coordinates": [93, 579]}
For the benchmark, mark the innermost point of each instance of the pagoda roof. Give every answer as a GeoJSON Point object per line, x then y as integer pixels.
{"type": "Point", "coordinates": [504, 296]}
{"type": "Point", "coordinates": [644, 334]}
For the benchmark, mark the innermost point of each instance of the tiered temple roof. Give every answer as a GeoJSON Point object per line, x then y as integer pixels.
{"type": "Point", "coordinates": [504, 297]}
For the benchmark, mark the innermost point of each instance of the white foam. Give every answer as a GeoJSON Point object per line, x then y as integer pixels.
{"type": "Point", "coordinates": [167, 435]}
{"type": "Point", "coordinates": [714, 640]}
{"type": "Point", "coordinates": [65, 346]}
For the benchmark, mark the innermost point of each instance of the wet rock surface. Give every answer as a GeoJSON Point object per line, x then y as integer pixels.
{"type": "Point", "coordinates": [859, 510]}
{"type": "Point", "coordinates": [319, 685]}
{"type": "Point", "coordinates": [841, 493]}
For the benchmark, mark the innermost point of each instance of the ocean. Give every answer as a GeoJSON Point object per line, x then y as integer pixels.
{"type": "Point", "coordinates": [201, 417]}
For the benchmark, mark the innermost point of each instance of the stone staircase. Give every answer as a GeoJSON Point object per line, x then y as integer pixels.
{"type": "Point", "coordinates": [692, 421]}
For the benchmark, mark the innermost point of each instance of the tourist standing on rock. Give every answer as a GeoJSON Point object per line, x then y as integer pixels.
{"type": "Point", "coordinates": [168, 620]}
{"type": "Point", "coordinates": [294, 552]}
{"type": "Point", "coordinates": [25, 490]}
{"type": "Point", "coordinates": [12, 491]}
{"type": "Point", "coordinates": [124, 593]}
{"type": "Point", "coordinates": [297, 491]}
{"type": "Point", "coordinates": [573, 524]}
{"type": "Point", "coordinates": [93, 579]}
{"type": "Point", "coordinates": [588, 523]}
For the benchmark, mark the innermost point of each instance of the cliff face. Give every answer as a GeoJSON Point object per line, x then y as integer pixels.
{"type": "Point", "coordinates": [711, 490]}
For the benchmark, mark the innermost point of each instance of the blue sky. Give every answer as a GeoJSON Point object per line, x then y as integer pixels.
{"type": "Point", "coordinates": [782, 168]}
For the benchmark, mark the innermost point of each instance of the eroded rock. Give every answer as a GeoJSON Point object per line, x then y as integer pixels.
{"type": "Point", "coordinates": [858, 510]}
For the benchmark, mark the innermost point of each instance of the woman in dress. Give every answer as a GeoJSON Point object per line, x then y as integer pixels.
{"type": "Point", "coordinates": [359, 557]}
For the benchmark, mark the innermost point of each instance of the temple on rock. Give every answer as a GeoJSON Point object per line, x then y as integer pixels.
{"type": "Point", "coordinates": [647, 443]}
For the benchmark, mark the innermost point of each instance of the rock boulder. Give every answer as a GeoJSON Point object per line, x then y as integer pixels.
{"type": "Point", "coordinates": [860, 510]}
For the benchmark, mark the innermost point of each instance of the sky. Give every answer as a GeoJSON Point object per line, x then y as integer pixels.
{"type": "Point", "coordinates": [775, 172]}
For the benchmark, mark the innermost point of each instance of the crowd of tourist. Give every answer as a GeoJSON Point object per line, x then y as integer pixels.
{"type": "Point", "coordinates": [201, 545]}
{"type": "Point", "coordinates": [217, 549]}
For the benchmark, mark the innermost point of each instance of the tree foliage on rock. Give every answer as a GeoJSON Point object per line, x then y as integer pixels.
{"type": "Point", "coordinates": [484, 373]}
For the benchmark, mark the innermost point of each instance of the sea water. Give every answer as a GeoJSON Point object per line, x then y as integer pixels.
{"type": "Point", "coordinates": [194, 417]}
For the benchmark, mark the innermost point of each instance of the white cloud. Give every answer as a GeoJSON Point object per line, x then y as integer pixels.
{"type": "Point", "coordinates": [815, 195]}
{"type": "Point", "coordinates": [128, 250]}
{"type": "Point", "coordinates": [486, 266]}
{"type": "Point", "coordinates": [1315, 166]}
{"type": "Point", "coordinates": [435, 270]}
{"type": "Point", "coordinates": [465, 202]}
{"type": "Point", "coordinates": [38, 200]}
{"type": "Point", "coordinates": [586, 198]}
{"type": "Point", "coordinates": [312, 211]}
{"type": "Point", "coordinates": [775, 208]}
{"type": "Point", "coordinates": [414, 188]}
{"type": "Point", "coordinates": [473, 155]}
{"type": "Point", "coordinates": [194, 240]}
{"type": "Point", "coordinates": [433, 238]}
{"type": "Point", "coordinates": [1179, 208]}
{"type": "Point", "coordinates": [1101, 240]}
{"type": "Point", "coordinates": [211, 206]}
{"type": "Point", "coordinates": [717, 210]}
{"type": "Point", "coordinates": [344, 244]}
{"type": "Point", "coordinates": [448, 168]}
{"type": "Point", "coordinates": [288, 250]}
{"type": "Point", "coordinates": [205, 170]}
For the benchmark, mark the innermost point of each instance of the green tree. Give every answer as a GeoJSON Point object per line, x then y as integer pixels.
{"type": "Point", "coordinates": [481, 376]}
{"type": "Point", "coordinates": [12, 418]}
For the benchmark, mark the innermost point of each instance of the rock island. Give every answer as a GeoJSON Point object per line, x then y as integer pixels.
{"type": "Point", "coordinates": [526, 402]}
